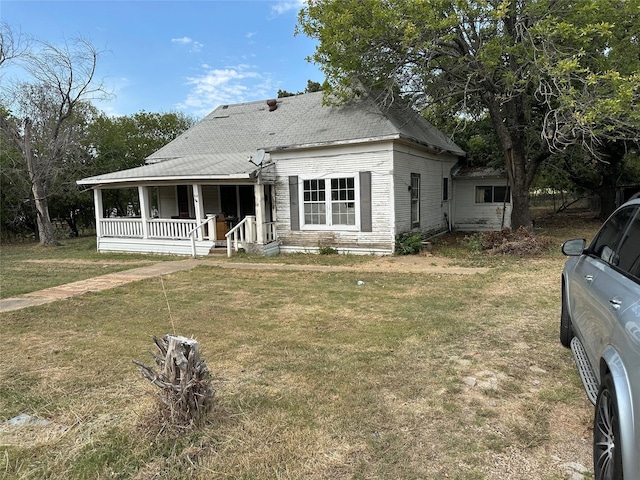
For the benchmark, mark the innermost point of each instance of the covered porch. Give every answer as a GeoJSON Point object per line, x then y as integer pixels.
{"type": "Point", "coordinates": [185, 218]}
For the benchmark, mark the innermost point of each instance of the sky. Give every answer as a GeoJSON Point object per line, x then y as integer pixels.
{"type": "Point", "coordinates": [178, 56]}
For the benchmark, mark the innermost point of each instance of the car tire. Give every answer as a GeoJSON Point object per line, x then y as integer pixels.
{"type": "Point", "coordinates": [566, 329]}
{"type": "Point", "coordinates": [607, 455]}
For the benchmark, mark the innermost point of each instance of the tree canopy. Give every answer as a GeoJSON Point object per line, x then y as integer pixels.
{"type": "Point", "coordinates": [544, 71]}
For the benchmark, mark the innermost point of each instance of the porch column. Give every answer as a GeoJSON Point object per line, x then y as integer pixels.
{"type": "Point", "coordinates": [198, 208]}
{"type": "Point", "coordinates": [258, 194]}
{"type": "Point", "coordinates": [143, 194]}
{"type": "Point", "coordinates": [97, 205]}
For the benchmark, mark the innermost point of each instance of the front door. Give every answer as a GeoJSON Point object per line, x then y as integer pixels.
{"type": "Point", "coordinates": [183, 200]}
{"type": "Point", "coordinates": [237, 201]}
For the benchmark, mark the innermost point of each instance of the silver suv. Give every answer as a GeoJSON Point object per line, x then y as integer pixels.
{"type": "Point", "coordinates": [600, 321]}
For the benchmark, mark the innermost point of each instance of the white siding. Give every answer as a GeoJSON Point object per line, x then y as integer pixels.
{"type": "Point", "coordinates": [211, 199]}
{"type": "Point", "coordinates": [472, 216]}
{"type": "Point", "coordinates": [167, 202]}
{"type": "Point", "coordinates": [147, 245]}
{"type": "Point", "coordinates": [327, 162]}
{"type": "Point", "coordinates": [432, 169]}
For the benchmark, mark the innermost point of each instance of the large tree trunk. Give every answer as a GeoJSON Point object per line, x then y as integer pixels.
{"type": "Point", "coordinates": [513, 145]}
{"type": "Point", "coordinates": [518, 179]}
{"type": "Point", "coordinates": [46, 232]}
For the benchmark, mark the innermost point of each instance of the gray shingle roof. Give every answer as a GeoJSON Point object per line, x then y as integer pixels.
{"type": "Point", "coordinates": [220, 145]}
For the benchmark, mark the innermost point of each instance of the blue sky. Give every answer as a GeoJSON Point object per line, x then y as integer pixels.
{"type": "Point", "coordinates": [187, 56]}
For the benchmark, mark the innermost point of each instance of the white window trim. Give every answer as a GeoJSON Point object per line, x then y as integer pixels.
{"type": "Point", "coordinates": [417, 202]}
{"type": "Point", "coordinates": [329, 226]}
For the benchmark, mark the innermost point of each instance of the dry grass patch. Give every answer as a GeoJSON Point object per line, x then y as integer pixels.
{"type": "Point", "coordinates": [411, 375]}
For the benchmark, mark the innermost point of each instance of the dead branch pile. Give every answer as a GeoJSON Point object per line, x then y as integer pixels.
{"type": "Point", "coordinates": [186, 394]}
{"type": "Point", "coordinates": [520, 242]}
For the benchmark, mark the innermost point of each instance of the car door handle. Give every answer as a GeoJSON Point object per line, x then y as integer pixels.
{"type": "Point", "coordinates": [588, 278]}
{"type": "Point", "coordinates": [615, 303]}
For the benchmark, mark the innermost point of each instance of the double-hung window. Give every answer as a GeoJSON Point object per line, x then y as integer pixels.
{"type": "Point", "coordinates": [330, 201]}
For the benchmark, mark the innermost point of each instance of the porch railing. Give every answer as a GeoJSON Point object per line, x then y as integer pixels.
{"type": "Point", "coordinates": [241, 234]}
{"type": "Point", "coordinates": [180, 229]}
{"type": "Point", "coordinates": [121, 227]}
{"type": "Point", "coordinates": [238, 237]}
{"type": "Point", "coordinates": [270, 232]}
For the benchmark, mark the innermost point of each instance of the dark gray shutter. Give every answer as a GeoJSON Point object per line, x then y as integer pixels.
{"type": "Point", "coordinates": [366, 224]}
{"type": "Point", "coordinates": [294, 208]}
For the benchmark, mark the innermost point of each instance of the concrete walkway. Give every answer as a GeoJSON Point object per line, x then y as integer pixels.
{"type": "Point", "coordinates": [112, 280]}
{"type": "Point", "coordinates": [103, 282]}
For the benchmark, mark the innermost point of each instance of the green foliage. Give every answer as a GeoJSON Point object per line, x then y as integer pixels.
{"type": "Point", "coordinates": [408, 243]}
{"type": "Point", "coordinates": [326, 250]}
{"type": "Point", "coordinates": [547, 74]}
{"type": "Point", "coordinates": [124, 142]}
{"type": "Point", "coordinates": [311, 87]}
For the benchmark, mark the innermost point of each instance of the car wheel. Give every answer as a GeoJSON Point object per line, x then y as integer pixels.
{"type": "Point", "coordinates": [607, 456]}
{"type": "Point", "coordinates": [566, 330]}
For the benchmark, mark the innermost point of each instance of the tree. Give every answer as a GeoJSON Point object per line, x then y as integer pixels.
{"type": "Point", "coordinates": [12, 46]}
{"type": "Point", "coordinates": [60, 79]}
{"type": "Point", "coordinates": [577, 169]}
{"type": "Point", "coordinates": [118, 143]}
{"type": "Point", "coordinates": [468, 58]}
{"type": "Point", "coordinates": [311, 87]}
{"type": "Point", "coordinates": [16, 208]}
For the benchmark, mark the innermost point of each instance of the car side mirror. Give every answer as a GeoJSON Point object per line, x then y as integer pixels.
{"type": "Point", "coordinates": [574, 247]}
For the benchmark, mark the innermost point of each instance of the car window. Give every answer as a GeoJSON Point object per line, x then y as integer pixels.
{"type": "Point", "coordinates": [629, 249]}
{"type": "Point", "coordinates": [609, 236]}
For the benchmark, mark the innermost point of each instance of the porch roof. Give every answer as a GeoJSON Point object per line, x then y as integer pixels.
{"type": "Point", "coordinates": [467, 172]}
{"type": "Point", "coordinates": [213, 166]}
{"type": "Point", "coordinates": [220, 146]}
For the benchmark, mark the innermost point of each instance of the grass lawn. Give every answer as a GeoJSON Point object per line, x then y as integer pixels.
{"type": "Point", "coordinates": [30, 266]}
{"type": "Point", "coordinates": [412, 375]}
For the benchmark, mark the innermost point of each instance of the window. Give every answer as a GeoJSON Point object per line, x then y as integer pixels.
{"type": "Point", "coordinates": [415, 199]}
{"type": "Point", "coordinates": [606, 243]}
{"type": "Point", "coordinates": [629, 249]}
{"type": "Point", "coordinates": [493, 194]}
{"type": "Point", "coordinates": [445, 189]}
{"type": "Point", "coordinates": [329, 202]}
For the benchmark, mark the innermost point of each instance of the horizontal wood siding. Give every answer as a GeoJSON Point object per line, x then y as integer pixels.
{"type": "Point", "coordinates": [322, 163]}
{"type": "Point", "coordinates": [211, 199]}
{"type": "Point", "coordinates": [432, 169]}
{"type": "Point", "coordinates": [471, 216]}
{"type": "Point", "coordinates": [167, 202]}
{"type": "Point", "coordinates": [163, 247]}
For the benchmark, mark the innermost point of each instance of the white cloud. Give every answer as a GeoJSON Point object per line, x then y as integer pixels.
{"type": "Point", "coordinates": [285, 6]}
{"type": "Point", "coordinates": [195, 46]}
{"type": "Point", "coordinates": [183, 40]}
{"type": "Point", "coordinates": [221, 86]}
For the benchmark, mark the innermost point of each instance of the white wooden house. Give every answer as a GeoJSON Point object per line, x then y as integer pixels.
{"type": "Point", "coordinates": [286, 175]}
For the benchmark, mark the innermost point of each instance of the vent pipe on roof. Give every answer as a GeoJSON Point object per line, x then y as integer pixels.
{"type": "Point", "coordinates": [273, 104]}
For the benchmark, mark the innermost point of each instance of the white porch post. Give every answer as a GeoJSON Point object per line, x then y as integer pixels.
{"type": "Point", "coordinates": [198, 207]}
{"type": "Point", "coordinates": [258, 193]}
{"type": "Point", "coordinates": [143, 194]}
{"type": "Point", "coordinates": [97, 205]}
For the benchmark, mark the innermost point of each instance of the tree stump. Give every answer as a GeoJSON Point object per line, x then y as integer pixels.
{"type": "Point", "coordinates": [186, 394]}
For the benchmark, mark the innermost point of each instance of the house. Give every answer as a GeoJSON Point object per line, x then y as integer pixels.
{"type": "Point", "coordinates": [286, 175]}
